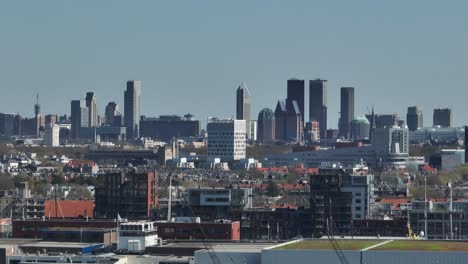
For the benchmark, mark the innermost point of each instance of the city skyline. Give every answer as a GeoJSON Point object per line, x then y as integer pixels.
{"type": "Point", "coordinates": [361, 45]}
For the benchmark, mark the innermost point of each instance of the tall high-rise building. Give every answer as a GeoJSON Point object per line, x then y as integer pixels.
{"type": "Point", "coordinates": [50, 119]}
{"type": "Point", "coordinates": [359, 128]}
{"type": "Point", "coordinates": [443, 117]}
{"type": "Point", "coordinates": [226, 139]}
{"type": "Point", "coordinates": [92, 109]}
{"type": "Point", "coordinates": [296, 93]}
{"type": "Point", "coordinates": [79, 117]}
{"type": "Point", "coordinates": [266, 126]}
{"type": "Point", "coordinates": [382, 120]}
{"type": "Point", "coordinates": [281, 116]}
{"type": "Point", "coordinates": [132, 109]}
{"type": "Point", "coordinates": [294, 126]}
{"type": "Point", "coordinates": [7, 125]}
{"type": "Point", "coordinates": [112, 115]}
{"type": "Point", "coordinates": [346, 111]}
{"type": "Point", "coordinates": [414, 118]}
{"type": "Point", "coordinates": [312, 132]}
{"type": "Point", "coordinates": [393, 140]}
{"type": "Point", "coordinates": [318, 104]}
{"type": "Point", "coordinates": [243, 106]}
{"type": "Point", "coordinates": [51, 135]}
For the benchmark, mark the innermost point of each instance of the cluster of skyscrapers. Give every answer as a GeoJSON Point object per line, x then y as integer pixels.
{"type": "Point", "coordinates": [287, 123]}
{"type": "Point", "coordinates": [85, 121]}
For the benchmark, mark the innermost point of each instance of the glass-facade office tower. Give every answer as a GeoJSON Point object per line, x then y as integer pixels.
{"type": "Point", "coordinates": [132, 109]}
{"type": "Point", "coordinates": [318, 104]}
{"type": "Point", "coordinates": [296, 93]}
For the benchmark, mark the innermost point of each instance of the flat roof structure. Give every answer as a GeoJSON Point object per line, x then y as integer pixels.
{"type": "Point", "coordinates": [376, 245]}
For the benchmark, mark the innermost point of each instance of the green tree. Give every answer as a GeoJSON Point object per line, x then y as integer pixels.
{"type": "Point", "coordinates": [6, 182]}
{"type": "Point", "coordinates": [272, 189]}
{"type": "Point", "coordinates": [58, 179]}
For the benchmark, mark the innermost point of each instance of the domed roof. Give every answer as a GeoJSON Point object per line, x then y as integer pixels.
{"type": "Point", "coordinates": [266, 114]}
{"type": "Point", "coordinates": [361, 119]}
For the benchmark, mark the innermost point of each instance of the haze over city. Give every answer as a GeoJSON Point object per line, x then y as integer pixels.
{"type": "Point", "coordinates": [191, 57]}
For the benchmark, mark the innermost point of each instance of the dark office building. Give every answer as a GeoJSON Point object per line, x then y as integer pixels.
{"type": "Point", "coordinates": [266, 126]}
{"type": "Point", "coordinates": [294, 126]}
{"type": "Point", "coordinates": [50, 119]}
{"type": "Point", "coordinates": [383, 120]}
{"type": "Point", "coordinates": [281, 116]}
{"type": "Point", "coordinates": [288, 124]}
{"type": "Point", "coordinates": [331, 208]}
{"type": "Point", "coordinates": [443, 117]}
{"type": "Point", "coordinates": [167, 127]}
{"type": "Point", "coordinates": [112, 116]}
{"type": "Point", "coordinates": [7, 125]}
{"type": "Point", "coordinates": [296, 93]}
{"type": "Point", "coordinates": [318, 104]}
{"type": "Point", "coordinates": [79, 117]}
{"type": "Point", "coordinates": [132, 109]}
{"type": "Point", "coordinates": [346, 111]}
{"type": "Point", "coordinates": [92, 109]}
{"type": "Point", "coordinates": [414, 118]}
{"type": "Point", "coordinates": [243, 106]}
{"type": "Point", "coordinates": [29, 126]}
{"type": "Point", "coordinates": [131, 195]}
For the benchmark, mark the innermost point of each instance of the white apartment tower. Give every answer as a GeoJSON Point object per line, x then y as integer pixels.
{"type": "Point", "coordinates": [51, 136]}
{"type": "Point", "coordinates": [226, 139]}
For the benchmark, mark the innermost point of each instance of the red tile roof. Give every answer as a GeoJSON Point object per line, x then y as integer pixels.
{"type": "Point", "coordinates": [273, 169]}
{"type": "Point", "coordinates": [5, 221]}
{"type": "Point", "coordinates": [69, 208]}
{"type": "Point", "coordinates": [396, 202]}
{"type": "Point", "coordinates": [284, 186]}
{"type": "Point", "coordinates": [81, 163]}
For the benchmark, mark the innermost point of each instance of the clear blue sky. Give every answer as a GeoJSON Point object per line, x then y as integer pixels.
{"type": "Point", "coordinates": [192, 55]}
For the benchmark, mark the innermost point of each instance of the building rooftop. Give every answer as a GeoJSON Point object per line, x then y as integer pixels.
{"type": "Point", "coordinates": [398, 244]}
{"type": "Point", "coordinates": [53, 244]}
{"type": "Point", "coordinates": [220, 245]}
{"type": "Point", "coordinates": [14, 241]}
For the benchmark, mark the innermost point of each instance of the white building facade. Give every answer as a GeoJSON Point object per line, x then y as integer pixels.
{"type": "Point", "coordinates": [52, 136]}
{"type": "Point", "coordinates": [134, 237]}
{"type": "Point", "coordinates": [226, 139]}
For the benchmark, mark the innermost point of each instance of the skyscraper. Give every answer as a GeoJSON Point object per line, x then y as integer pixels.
{"type": "Point", "coordinates": [92, 109]}
{"type": "Point", "coordinates": [346, 111]}
{"type": "Point", "coordinates": [281, 116]}
{"type": "Point", "coordinates": [294, 126]}
{"type": "Point", "coordinates": [443, 117]}
{"type": "Point", "coordinates": [132, 109]}
{"type": "Point", "coordinates": [414, 118]}
{"type": "Point", "coordinates": [296, 93]}
{"type": "Point", "coordinates": [51, 135]}
{"type": "Point", "coordinates": [266, 126]}
{"type": "Point", "coordinates": [79, 117]}
{"type": "Point", "coordinates": [318, 104]}
{"type": "Point", "coordinates": [112, 115]}
{"type": "Point", "coordinates": [243, 106]}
